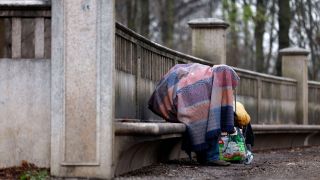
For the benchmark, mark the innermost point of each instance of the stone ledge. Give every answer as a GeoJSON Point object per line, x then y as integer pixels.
{"type": "Point", "coordinates": [148, 128]}
{"type": "Point", "coordinates": [25, 4]}
{"type": "Point", "coordinates": [139, 144]}
{"type": "Point", "coordinates": [208, 23]}
{"type": "Point", "coordinates": [165, 128]}
{"type": "Point", "coordinates": [294, 51]}
{"type": "Point", "coordinates": [285, 136]}
{"type": "Point", "coordinates": [145, 143]}
{"type": "Point", "coordinates": [285, 128]}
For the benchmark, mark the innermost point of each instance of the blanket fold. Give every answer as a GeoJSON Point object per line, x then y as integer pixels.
{"type": "Point", "coordinates": [199, 96]}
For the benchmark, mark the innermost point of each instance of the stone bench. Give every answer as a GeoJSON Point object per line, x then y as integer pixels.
{"type": "Point", "coordinates": [149, 128]}
{"type": "Point", "coordinates": [285, 136]}
{"type": "Point", "coordinates": [139, 144]}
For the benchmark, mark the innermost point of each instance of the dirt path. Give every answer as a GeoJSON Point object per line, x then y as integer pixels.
{"type": "Point", "coordinates": [298, 163]}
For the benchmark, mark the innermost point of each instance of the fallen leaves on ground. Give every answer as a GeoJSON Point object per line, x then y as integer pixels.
{"type": "Point", "coordinates": [25, 171]}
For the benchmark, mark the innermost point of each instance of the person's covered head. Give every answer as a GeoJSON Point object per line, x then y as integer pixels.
{"type": "Point", "coordinates": [242, 118]}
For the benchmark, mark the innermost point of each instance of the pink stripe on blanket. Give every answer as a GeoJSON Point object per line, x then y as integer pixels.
{"type": "Point", "coordinates": [227, 95]}
{"type": "Point", "coordinates": [224, 79]}
{"type": "Point", "coordinates": [194, 113]}
{"type": "Point", "coordinates": [197, 74]}
{"type": "Point", "coordinates": [222, 97]}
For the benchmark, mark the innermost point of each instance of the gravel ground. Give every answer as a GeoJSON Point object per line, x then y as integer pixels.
{"type": "Point", "coordinates": [298, 163]}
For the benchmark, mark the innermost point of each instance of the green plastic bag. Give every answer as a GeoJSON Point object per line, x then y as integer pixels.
{"type": "Point", "coordinates": [232, 147]}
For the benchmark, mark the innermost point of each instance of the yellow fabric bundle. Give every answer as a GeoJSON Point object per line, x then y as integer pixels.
{"type": "Point", "coordinates": [242, 118]}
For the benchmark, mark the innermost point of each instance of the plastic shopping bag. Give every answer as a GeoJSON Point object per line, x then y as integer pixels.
{"type": "Point", "coordinates": [232, 147]}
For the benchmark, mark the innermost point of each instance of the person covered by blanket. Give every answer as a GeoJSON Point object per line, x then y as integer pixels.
{"type": "Point", "coordinates": [201, 97]}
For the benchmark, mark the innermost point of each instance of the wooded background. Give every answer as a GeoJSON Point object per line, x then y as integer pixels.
{"type": "Point", "coordinates": [258, 28]}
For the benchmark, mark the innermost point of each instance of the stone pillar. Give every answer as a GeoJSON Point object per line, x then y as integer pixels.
{"type": "Point", "coordinates": [82, 88]}
{"type": "Point", "coordinates": [294, 65]}
{"type": "Point", "coordinates": [209, 39]}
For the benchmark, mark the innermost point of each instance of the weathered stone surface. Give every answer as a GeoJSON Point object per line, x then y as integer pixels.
{"type": "Point", "coordinates": [24, 112]}
{"type": "Point", "coordinates": [208, 23]}
{"type": "Point", "coordinates": [294, 51]}
{"type": "Point", "coordinates": [294, 65]}
{"type": "Point", "coordinates": [80, 81]}
{"type": "Point", "coordinates": [209, 39]}
{"type": "Point", "coordinates": [145, 144]}
{"type": "Point", "coordinates": [82, 88]}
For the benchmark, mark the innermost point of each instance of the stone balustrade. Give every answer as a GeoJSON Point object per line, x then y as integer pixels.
{"type": "Point", "coordinates": [82, 94]}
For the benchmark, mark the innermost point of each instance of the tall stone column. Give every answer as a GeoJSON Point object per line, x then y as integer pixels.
{"type": "Point", "coordinates": [209, 39]}
{"type": "Point", "coordinates": [294, 65]}
{"type": "Point", "coordinates": [82, 88]}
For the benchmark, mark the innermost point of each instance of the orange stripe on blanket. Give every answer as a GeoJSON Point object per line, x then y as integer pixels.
{"type": "Point", "coordinates": [165, 107]}
{"type": "Point", "coordinates": [227, 97]}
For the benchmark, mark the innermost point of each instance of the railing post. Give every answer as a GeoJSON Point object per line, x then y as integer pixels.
{"type": "Point", "coordinates": [139, 109]}
{"type": "Point", "coordinates": [209, 39]}
{"type": "Point", "coordinates": [82, 88]}
{"type": "Point", "coordinates": [259, 101]}
{"type": "Point", "coordinates": [294, 65]}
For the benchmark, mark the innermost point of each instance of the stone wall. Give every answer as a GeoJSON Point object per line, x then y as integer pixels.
{"type": "Point", "coordinates": [24, 112]}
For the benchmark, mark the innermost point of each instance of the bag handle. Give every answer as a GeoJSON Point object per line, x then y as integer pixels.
{"type": "Point", "coordinates": [229, 138]}
{"type": "Point", "coordinates": [235, 100]}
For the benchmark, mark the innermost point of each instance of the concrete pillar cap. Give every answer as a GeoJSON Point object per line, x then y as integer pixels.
{"type": "Point", "coordinates": [294, 51]}
{"type": "Point", "coordinates": [208, 23]}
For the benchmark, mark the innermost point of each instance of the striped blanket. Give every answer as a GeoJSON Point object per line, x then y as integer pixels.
{"type": "Point", "coordinates": [199, 96]}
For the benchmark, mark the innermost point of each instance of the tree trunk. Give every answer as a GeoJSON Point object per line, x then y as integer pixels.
{"type": "Point", "coordinates": [167, 22]}
{"type": "Point", "coordinates": [247, 15]}
{"type": "Point", "coordinates": [284, 26]}
{"type": "Point", "coordinates": [131, 14]}
{"type": "Point", "coordinates": [272, 11]}
{"type": "Point", "coordinates": [311, 42]}
{"type": "Point", "coordinates": [233, 54]}
{"type": "Point", "coordinates": [145, 21]}
{"type": "Point", "coordinates": [260, 21]}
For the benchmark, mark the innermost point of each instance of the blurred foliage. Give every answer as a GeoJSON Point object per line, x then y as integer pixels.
{"type": "Point", "coordinates": [255, 34]}
{"type": "Point", "coordinates": [35, 175]}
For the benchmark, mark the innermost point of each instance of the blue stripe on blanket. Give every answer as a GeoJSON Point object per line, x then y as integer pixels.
{"type": "Point", "coordinates": [163, 87]}
{"type": "Point", "coordinates": [200, 147]}
{"type": "Point", "coordinates": [226, 114]}
{"type": "Point", "coordinates": [227, 119]}
{"type": "Point", "coordinates": [197, 134]}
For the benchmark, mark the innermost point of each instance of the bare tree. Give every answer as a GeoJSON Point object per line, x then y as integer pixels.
{"type": "Point", "coordinates": [284, 26]}
{"type": "Point", "coordinates": [260, 21]}
{"type": "Point", "coordinates": [230, 8]}
{"type": "Point", "coordinates": [272, 37]}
